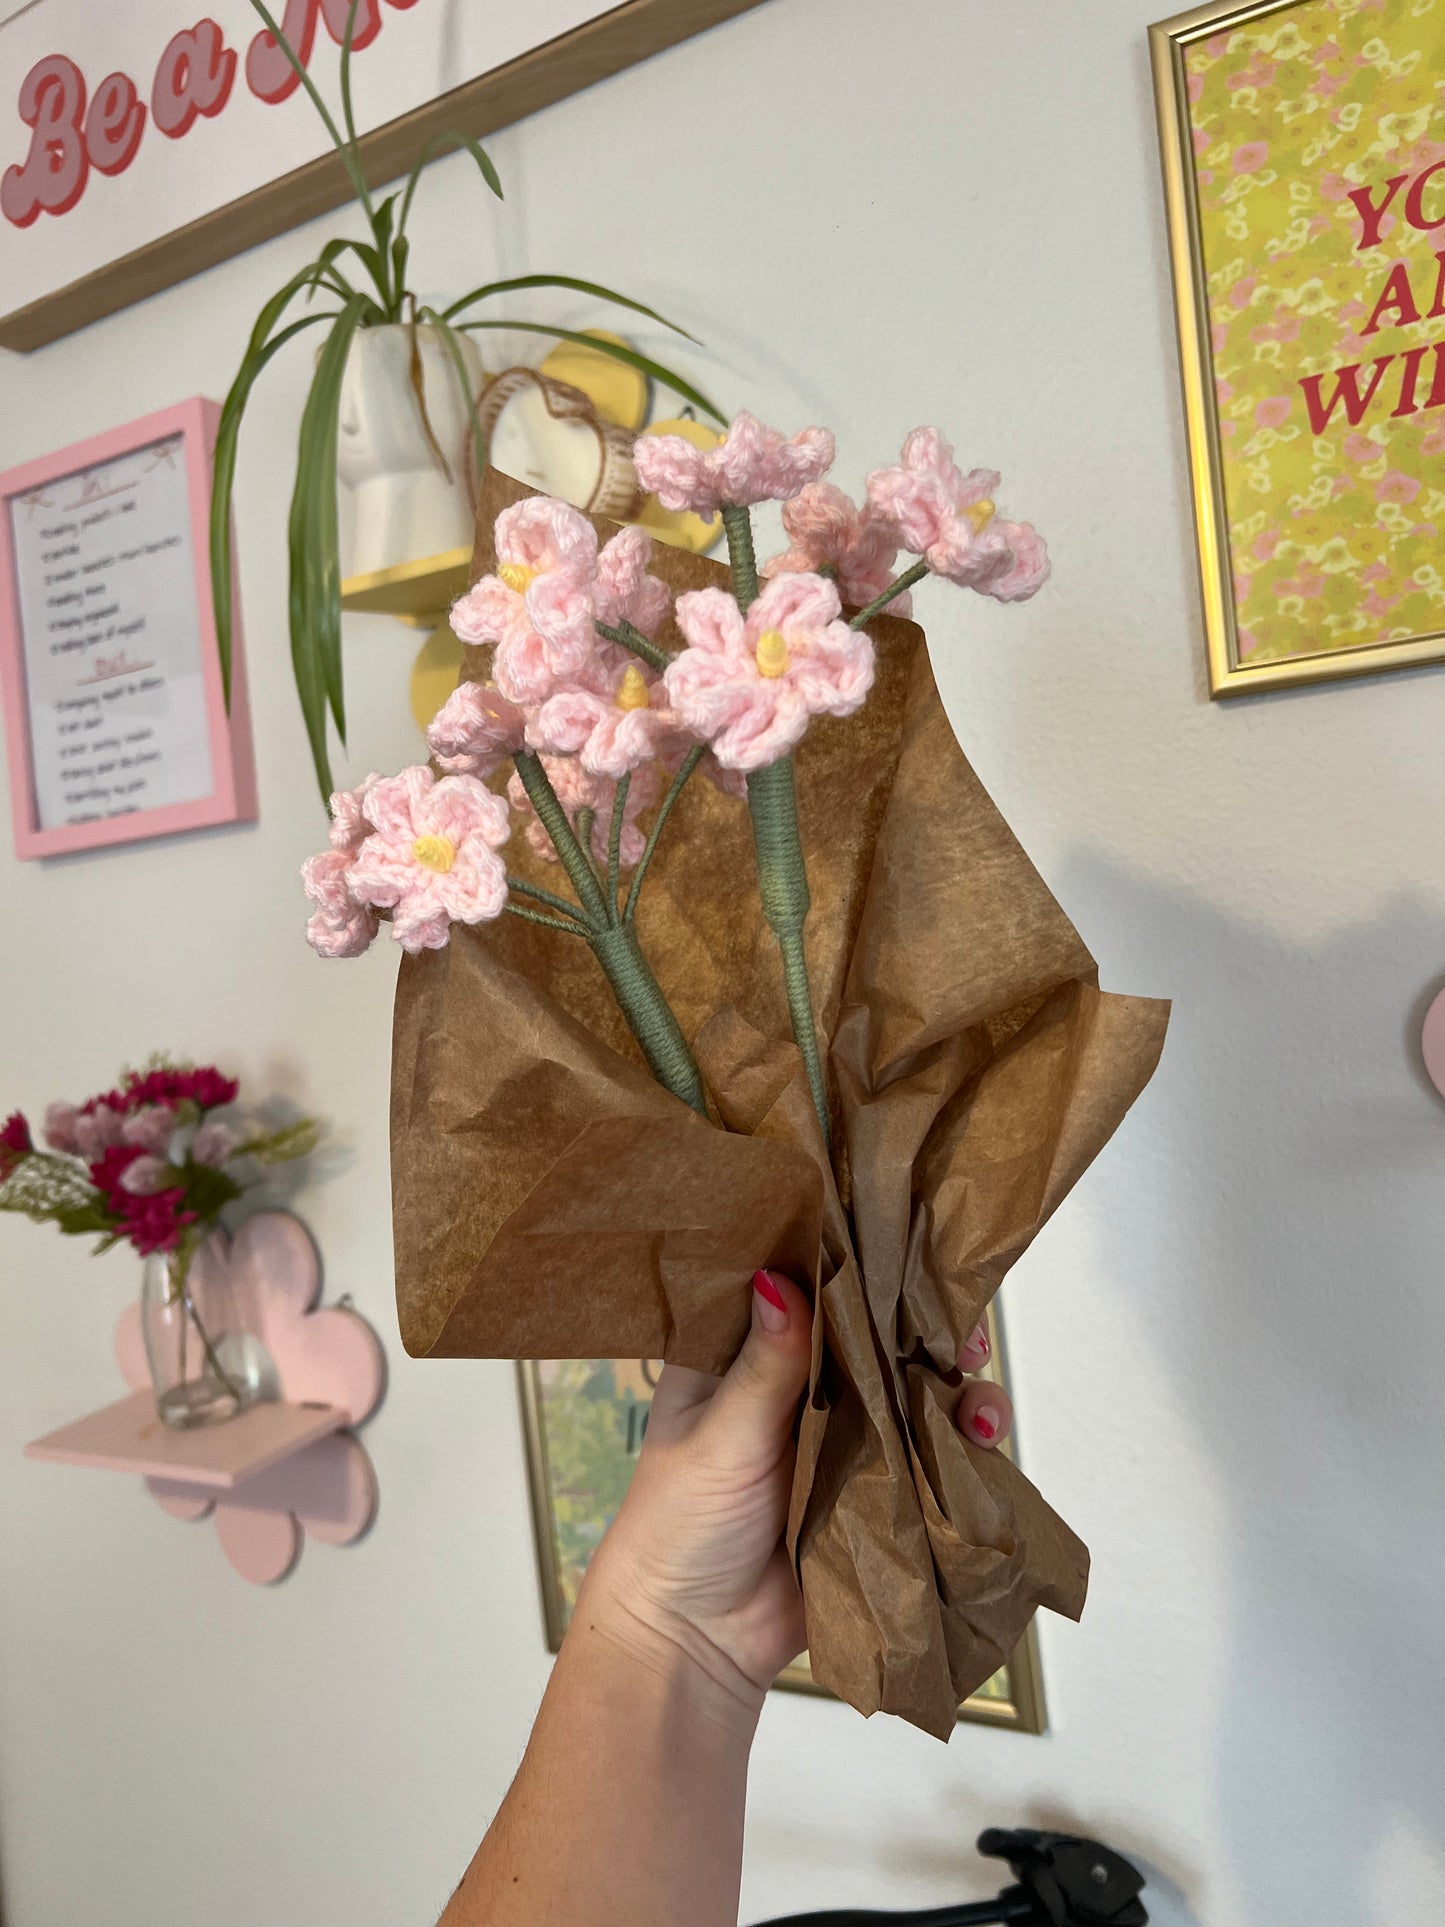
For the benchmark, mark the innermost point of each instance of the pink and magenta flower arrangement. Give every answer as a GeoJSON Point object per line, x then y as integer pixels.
{"type": "Point", "coordinates": [606, 696]}
{"type": "Point", "coordinates": [152, 1162]}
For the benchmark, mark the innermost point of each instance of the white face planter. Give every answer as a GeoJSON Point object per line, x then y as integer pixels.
{"type": "Point", "coordinates": [549, 435]}
{"type": "Point", "coordinates": [397, 501]}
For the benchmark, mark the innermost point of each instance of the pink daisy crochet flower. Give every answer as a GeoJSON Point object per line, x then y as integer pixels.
{"type": "Point", "coordinates": [950, 520]}
{"type": "Point", "coordinates": [748, 684]}
{"type": "Point", "coordinates": [537, 608]}
{"type": "Point", "coordinates": [624, 591]}
{"type": "Point", "coordinates": [476, 730]}
{"type": "Point", "coordinates": [750, 464]}
{"type": "Point", "coordinates": [828, 530]}
{"type": "Point", "coordinates": [616, 728]}
{"type": "Point", "coordinates": [578, 789]}
{"type": "Point", "coordinates": [340, 926]}
{"type": "Point", "coordinates": [433, 858]}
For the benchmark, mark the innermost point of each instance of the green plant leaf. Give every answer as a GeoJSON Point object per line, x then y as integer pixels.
{"type": "Point", "coordinates": [438, 141]}
{"type": "Point", "coordinates": [347, 116]}
{"type": "Point", "coordinates": [350, 160]}
{"type": "Point", "coordinates": [259, 350]}
{"type": "Point", "coordinates": [325, 272]}
{"type": "Point", "coordinates": [630, 355]}
{"type": "Point", "coordinates": [564, 281]}
{"type": "Point", "coordinates": [296, 1140]}
{"type": "Point", "coordinates": [464, 382]}
{"type": "Point", "coordinates": [207, 1189]}
{"type": "Point", "coordinates": [315, 589]}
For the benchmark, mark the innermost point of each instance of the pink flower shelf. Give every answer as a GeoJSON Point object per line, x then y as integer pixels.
{"type": "Point", "coordinates": [129, 1437]}
{"type": "Point", "coordinates": [283, 1469]}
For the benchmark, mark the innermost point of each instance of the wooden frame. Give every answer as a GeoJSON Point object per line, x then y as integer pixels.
{"type": "Point", "coordinates": [231, 793]}
{"type": "Point", "coordinates": [1322, 189]}
{"type": "Point", "coordinates": [1013, 1698]}
{"type": "Point", "coordinates": [622, 38]}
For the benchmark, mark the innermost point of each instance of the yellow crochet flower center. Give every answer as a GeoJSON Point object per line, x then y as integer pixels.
{"type": "Point", "coordinates": [517, 576]}
{"type": "Point", "coordinates": [772, 653]}
{"type": "Point", "coordinates": [633, 692]}
{"type": "Point", "coordinates": [437, 853]}
{"type": "Point", "coordinates": [979, 514]}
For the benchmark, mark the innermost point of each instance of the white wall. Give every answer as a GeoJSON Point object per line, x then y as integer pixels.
{"type": "Point", "coordinates": [1228, 1348]}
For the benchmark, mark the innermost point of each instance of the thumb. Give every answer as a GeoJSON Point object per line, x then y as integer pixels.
{"type": "Point", "coordinates": [758, 1399]}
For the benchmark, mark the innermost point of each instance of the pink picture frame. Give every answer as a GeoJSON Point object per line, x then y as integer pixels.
{"type": "Point", "coordinates": [105, 749]}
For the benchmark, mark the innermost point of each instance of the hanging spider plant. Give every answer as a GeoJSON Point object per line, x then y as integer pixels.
{"type": "Point", "coordinates": [383, 298]}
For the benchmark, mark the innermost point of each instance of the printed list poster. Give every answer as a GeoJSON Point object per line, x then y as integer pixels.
{"type": "Point", "coordinates": [106, 584]}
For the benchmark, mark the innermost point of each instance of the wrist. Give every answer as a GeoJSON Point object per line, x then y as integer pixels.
{"type": "Point", "coordinates": [666, 1657]}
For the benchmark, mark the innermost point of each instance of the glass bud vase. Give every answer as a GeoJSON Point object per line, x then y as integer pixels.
{"type": "Point", "coordinates": [197, 1357]}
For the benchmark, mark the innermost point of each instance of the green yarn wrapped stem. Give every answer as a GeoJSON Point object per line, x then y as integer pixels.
{"type": "Point", "coordinates": [553, 819]}
{"type": "Point", "coordinates": [783, 889]}
{"type": "Point", "coordinates": [738, 528]}
{"type": "Point", "coordinates": [648, 1013]}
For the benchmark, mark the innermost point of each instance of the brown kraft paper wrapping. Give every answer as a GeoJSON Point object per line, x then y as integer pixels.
{"type": "Point", "coordinates": [552, 1201]}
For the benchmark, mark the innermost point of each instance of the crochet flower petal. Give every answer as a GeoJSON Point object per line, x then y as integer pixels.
{"type": "Point", "coordinates": [1028, 568]}
{"type": "Point", "coordinates": [765, 722]}
{"type": "Point", "coordinates": [476, 729]}
{"type": "Point", "coordinates": [391, 805]}
{"type": "Point", "coordinates": [711, 621]}
{"type": "Point", "coordinates": [793, 602]}
{"type": "Point", "coordinates": [460, 807]}
{"type": "Point", "coordinates": [676, 473]}
{"type": "Point", "coordinates": [544, 534]}
{"type": "Point", "coordinates": [625, 592]}
{"type": "Point", "coordinates": [486, 612]}
{"type": "Point", "coordinates": [565, 721]}
{"type": "Point", "coordinates": [348, 824]}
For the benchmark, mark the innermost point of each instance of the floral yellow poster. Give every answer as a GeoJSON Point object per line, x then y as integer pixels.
{"type": "Point", "coordinates": [1315, 134]}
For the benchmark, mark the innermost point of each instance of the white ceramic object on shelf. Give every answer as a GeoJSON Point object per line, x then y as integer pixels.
{"type": "Point", "coordinates": [397, 501]}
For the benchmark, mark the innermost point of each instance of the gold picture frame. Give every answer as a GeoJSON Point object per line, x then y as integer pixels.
{"type": "Point", "coordinates": [1254, 114]}
{"type": "Point", "coordinates": [600, 1444]}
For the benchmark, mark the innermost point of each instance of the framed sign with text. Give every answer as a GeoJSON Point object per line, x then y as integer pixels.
{"type": "Point", "coordinates": [115, 718]}
{"type": "Point", "coordinates": [1304, 163]}
{"type": "Point", "coordinates": [140, 144]}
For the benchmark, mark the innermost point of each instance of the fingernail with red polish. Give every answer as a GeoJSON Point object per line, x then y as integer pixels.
{"type": "Point", "coordinates": [985, 1422]}
{"type": "Point", "coordinates": [772, 1306]}
{"type": "Point", "coordinates": [980, 1342]}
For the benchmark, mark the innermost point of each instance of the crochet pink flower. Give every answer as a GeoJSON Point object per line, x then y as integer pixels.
{"type": "Point", "coordinates": [537, 608]}
{"type": "Point", "coordinates": [349, 828]}
{"type": "Point", "coordinates": [340, 927]}
{"type": "Point", "coordinates": [750, 464]}
{"type": "Point", "coordinates": [577, 789]}
{"type": "Point", "coordinates": [616, 728]}
{"type": "Point", "coordinates": [624, 591]}
{"type": "Point", "coordinates": [950, 520]}
{"type": "Point", "coordinates": [433, 858]}
{"type": "Point", "coordinates": [475, 731]}
{"type": "Point", "coordinates": [829, 531]}
{"type": "Point", "coordinates": [747, 685]}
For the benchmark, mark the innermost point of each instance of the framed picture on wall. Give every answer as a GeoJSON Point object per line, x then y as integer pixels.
{"type": "Point", "coordinates": [116, 724]}
{"type": "Point", "coordinates": [584, 1420]}
{"type": "Point", "coordinates": [1304, 170]}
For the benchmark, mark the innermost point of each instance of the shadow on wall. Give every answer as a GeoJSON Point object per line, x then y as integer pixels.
{"type": "Point", "coordinates": [1294, 1260]}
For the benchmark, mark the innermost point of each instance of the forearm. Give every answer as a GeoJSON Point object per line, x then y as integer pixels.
{"type": "Point", "coordinates": [630, 1795]}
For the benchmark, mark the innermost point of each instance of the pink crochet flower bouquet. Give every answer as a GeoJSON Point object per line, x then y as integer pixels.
{"type": "Point", "coordinates": [593, 713]}
{"type": "Point", "coordinates": [719, 957]}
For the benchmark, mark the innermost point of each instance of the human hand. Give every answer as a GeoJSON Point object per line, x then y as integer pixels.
{"type": "Point", "coordinates": [694, 1562]}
